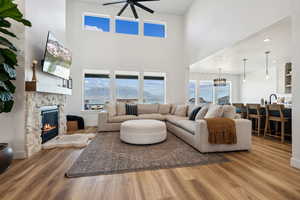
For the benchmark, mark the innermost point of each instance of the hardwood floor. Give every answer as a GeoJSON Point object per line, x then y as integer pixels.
{"type": "Point", "coordinates": [263, 173]}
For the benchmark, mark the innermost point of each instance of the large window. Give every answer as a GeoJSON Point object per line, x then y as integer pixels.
{"type": "Point", "coordinates": [96, 91]}
{"type": "Point", "coordinates": [192, 92]}
{"type": "Point", "coordinates": [96, 23]}
{"type": "Point", "coordinates": [127, 87]}
{"type": "Point", "coordinates": [206, 92]}
{"type": "Point", "coordinates": [222, 94]}
{"type": "Point", "coordinates": [154, 30]}
{"type": "Point", "coordinates": [154, 89]}
{"type": "Point", "coordinates": [130, 27]}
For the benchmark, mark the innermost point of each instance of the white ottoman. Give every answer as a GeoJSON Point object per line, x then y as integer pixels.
{"type": "Point", "coordinates": [143, 132]}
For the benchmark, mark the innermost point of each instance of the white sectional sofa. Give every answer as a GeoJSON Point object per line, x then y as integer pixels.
{"type": "Point", "coordinates": [194, 133]}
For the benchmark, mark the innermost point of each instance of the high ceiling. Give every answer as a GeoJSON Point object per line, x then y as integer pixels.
{"type": "Point", "coordinates": [177, 7]}
{"type": "Point", "coordinates": [253, 49]}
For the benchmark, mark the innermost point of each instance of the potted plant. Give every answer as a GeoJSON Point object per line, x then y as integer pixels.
{"type": "Point", "coordinates": [8, 62]}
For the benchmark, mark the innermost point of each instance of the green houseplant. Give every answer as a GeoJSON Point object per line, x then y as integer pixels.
{"type": "Point", "coordinates": [8, 53]}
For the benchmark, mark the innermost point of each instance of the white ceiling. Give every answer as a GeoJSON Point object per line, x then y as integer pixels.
{"type": "Point", "coordinates": [177, 7]}
{"type": "Point", "coordinates": [253, 48]}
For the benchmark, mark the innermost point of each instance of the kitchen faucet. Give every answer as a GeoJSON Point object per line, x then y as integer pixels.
{"type": "Point", "coordinates": [271, 98]}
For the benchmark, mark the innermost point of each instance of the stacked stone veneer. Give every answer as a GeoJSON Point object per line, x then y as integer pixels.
{"type": "Point", "coordinates": [33, 124]}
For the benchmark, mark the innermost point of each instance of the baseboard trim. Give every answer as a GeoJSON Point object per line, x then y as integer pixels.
{"type": "Point", "coordinates": [19, 155]}
{"type": "Point", "coordinates": [295, 163]}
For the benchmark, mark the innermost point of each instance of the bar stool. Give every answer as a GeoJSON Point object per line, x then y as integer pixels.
{"type": "Point", "coordinates": [277, 119]}
{"type": "Point", "coordinates": [256, 116]}
{"type": "Point", "coordinates": [242, 108]}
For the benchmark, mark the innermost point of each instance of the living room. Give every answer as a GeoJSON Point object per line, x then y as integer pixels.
{"type": "Point", "coordinates": [151, 88]}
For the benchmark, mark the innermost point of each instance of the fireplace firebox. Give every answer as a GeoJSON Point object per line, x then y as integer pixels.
{"type": "Point", "coordinates": [50, 122]}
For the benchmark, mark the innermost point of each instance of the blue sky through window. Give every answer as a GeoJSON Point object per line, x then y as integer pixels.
{"type": "Point", "coordinates": [154, 30]}
{"type": "Point", "coordinates": [127, 27]}
{"type": "Point", "coordinates": [96, 23]}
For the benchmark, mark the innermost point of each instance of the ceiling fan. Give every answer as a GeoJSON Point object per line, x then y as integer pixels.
{"type": "Point", "coordinates": [132, 4]}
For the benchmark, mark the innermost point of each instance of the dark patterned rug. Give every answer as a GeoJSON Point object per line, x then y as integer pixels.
{"type": "Point", "coordinates": [106, 154]}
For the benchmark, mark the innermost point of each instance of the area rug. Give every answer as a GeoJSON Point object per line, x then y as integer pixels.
{"type": "Point", "coordinates": [106, 154]}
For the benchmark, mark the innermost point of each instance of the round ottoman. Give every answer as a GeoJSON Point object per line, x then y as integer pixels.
{"type": "Point", "coordinates": [143, 131]}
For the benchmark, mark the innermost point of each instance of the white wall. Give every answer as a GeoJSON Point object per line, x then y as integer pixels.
{"type": "Point", "coordinates": [111, 51]}
{"type": "Point", "coordinates": [295, 161]}
{"type": "Point", "coordinates": [212, 25]}
{"type": "Point", "coordinates": [257, 86]}
{"type": "Point", "coordinates": [234, 79]}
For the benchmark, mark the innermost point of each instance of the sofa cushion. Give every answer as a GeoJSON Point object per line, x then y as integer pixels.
{"type": "Point", "coordinates": [193, 114]}
{"type": "Point", "coordinates": [187, 125]}
{"type": "Point", "coordinates": [173, 109]}
{"type": "Point", "coordinates": [121, 110]}
{"type": "Point", "coordinates": [131, 109]}
{"type": "Point", "coordinates": [122, 118]}
{"type": "Point", "coordinates": [201, 114]}
{"type": "Point", "coordinates": [152, 116]}
{"type": "Point", "coordinates": [182, 122]}
{"type": "Point", "coordinates": [164, 109]}
{"type": "Point", "coordinates": [229, 112]}
{"type": "Point", "coordinates": [181, 110]}
{"type": "Point", "coordinates": [214, 111]}
{"type": "Point", "coordinates": [111, 108]}
{"type": "Point", "coordinates": [147, 108]}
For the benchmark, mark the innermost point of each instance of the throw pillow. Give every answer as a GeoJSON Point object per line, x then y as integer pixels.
{"type": "Point", "coordinates": [201, 114]}
{"type": "Point", "coordinates": [181, 110]}
{"type": "Point", "coordinates": [111, 109]}
{"type": "Point", "coordinates": [229, 111]}
{"type": "Point", "coordinates": [147, 108]}
{"type": "Point", "coordinates": [173, 109]}
{"type": "Point", "coordinates": [164, 109]}
{"type": "Point", "coordinates": [214, 111]}
{"type": "Point", "coordinates": [121, 110]}
{"type": "Point", "coordinates": [131, 109]}
{"type": "Point", "coordinates": [194, 113]}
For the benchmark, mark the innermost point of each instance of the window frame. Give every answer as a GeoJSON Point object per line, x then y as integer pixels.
{"type": "Point", "coordinates": [96, 72]}
{"type": "Point", "coordinates": [155, 74]}
{"type": "Point", "coordinates": [96, 15]}
{"type": "Point", "coordinates": [127, 19]}
{"type": "Point", "coordinates": [230, 92]}
{"type": "Point", "coordinates": [126, 73]}
{"type": "Point", "coordinates": [155, 22]}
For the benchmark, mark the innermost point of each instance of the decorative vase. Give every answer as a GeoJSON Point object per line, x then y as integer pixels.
{"type": "Point", "coordinates": [6, 156]}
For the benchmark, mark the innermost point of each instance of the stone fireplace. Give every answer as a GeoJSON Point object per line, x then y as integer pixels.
{"type": "Point", "coordinates": [36, 105]}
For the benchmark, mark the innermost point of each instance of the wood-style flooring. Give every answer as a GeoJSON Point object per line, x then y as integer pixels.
{"type": "Point", "coordinates": [263, 173]}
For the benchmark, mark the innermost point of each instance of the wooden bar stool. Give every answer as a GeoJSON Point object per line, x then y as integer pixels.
{"type": "Point", "coordinates": [277, 119]}
{"type": "Point", "coordinates": [256, 116]}
{"type": "Point", "coordinates": [242, 109]}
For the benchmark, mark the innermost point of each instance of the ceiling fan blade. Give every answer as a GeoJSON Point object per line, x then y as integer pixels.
{"type": "Point", "coordinates": [117, 2]}
{"type": "Point", "coordinates": [122, 10]}
{"type": "Point", "coordinates": [144, 7]}
{"type": "Point", "coordinates": [134, 11]}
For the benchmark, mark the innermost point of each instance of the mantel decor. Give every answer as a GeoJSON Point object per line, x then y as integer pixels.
{"type": "Point", "coordinates": [8, 53]}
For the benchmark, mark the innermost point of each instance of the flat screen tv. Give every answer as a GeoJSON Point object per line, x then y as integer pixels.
{"type": "Point", "coordinates": [58, 59]}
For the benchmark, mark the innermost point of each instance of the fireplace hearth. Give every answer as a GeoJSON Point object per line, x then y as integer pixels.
{"type": "Point", "coordinates": [50, 122]}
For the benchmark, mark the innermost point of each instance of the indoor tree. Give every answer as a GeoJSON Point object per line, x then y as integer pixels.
{"type": "Point", "coordinates": [8, 52]}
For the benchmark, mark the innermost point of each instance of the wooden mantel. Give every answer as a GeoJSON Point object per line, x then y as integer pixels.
{"type": "Point", "coordinates": [35, 86]}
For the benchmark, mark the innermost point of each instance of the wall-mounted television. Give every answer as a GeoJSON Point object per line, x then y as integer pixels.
{"type": "Point", "coordinates": [58, 59]}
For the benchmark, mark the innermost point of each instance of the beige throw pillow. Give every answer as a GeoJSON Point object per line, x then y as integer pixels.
{"type": "Point", "coordinates": [148, 108]}
{"type": "Point", "coordinates": [201, 114]}
{"type": "Point", "coordinates": [111, 109]}
{"type": "Point", "coordinates": [181, 110]}
{"type": "Point", "coordinates": [164, 109]}
{"type": "Point", "coordinates": [121, 109]}
{"type": "Point", "coordinates": [229, 111]}
{"type": "Point", "coordinates": [214, 111]}
{"type": "Point", "coordinates": [173, 109]}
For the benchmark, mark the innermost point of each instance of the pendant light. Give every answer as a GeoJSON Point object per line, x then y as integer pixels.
{"type": "Point", "coordinates": [267, 64]}
{"type": "Point", "coordinates": [218, 82]}
{"type": "Point", "coordinates": [244, 73]}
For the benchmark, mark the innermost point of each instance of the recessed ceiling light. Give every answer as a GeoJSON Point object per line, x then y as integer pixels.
{"type": "Point", "coordinates": [267, 40]}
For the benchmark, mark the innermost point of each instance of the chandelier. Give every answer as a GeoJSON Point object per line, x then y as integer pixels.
{"type": "Point", "coordinates": [218, 82]}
